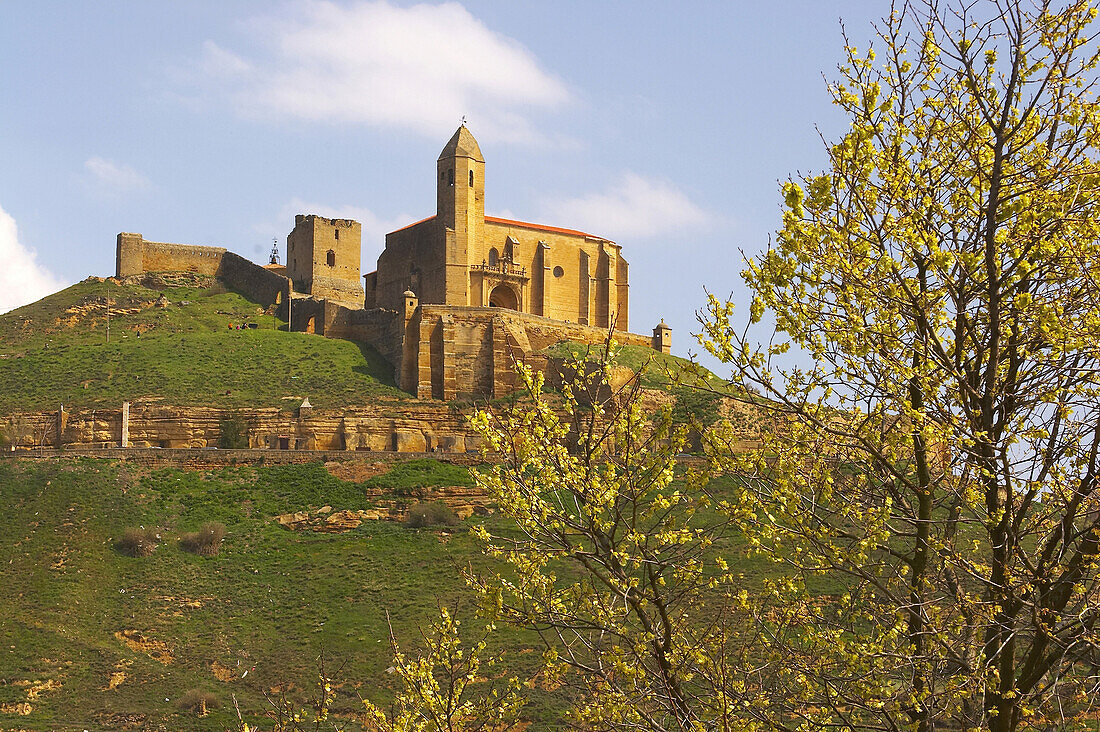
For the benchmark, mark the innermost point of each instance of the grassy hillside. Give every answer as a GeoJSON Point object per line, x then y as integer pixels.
{"type": "Point", "coordinates": [93, 639]}
{"type": "Point", "coordinates": [659, 370]}
{"type": "Point", "coordinates": [55, 352]}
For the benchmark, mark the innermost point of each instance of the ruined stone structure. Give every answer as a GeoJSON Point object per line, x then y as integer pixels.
{"type": "Point", "coordinates": [456, 299]}
{"type": "Point", "coordinates": [322, 258]}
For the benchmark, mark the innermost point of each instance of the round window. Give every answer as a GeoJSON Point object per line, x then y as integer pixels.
{"type": "Point", "coordinates": [559, 272]}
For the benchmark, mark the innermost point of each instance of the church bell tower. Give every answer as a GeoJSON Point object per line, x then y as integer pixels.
{"type": "Point", "coordinates": [460, 208]}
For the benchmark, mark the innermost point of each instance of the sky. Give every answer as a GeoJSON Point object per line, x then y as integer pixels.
{"type": "Point", "coordinates": [666, 127]}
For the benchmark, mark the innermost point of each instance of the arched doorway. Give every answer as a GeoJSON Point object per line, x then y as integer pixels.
{"type": "Point", "coordinates": [311, 324]}
{"type": "Point", "coordinates": [503, 296]}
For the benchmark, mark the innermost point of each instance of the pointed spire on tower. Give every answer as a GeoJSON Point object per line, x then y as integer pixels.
{"type": "Point", "coordinates": [462, 145]}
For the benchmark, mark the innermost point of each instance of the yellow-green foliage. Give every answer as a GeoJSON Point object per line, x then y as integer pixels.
{"type": "Point", "coordinates": [447, 685]}
{"type": "Point", "coordinates": [613, 557]}
{"type": "Point", "coordinates": [938, 447]}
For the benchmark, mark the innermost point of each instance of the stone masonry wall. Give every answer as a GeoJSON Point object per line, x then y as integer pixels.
{"type": "Point", "coordinates": [257, 283]}
{"type": "Point", "coordinates": [134, 255]}
{"type": "Point", "coordinates": [464, 353]}
{"type": "Point", "coordinates": [572, 277]}
{"type": "Point", "coordinates": [386, 426]}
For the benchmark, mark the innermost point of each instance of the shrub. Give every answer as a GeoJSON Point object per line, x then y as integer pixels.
{"type": "Point", "coordinates": [137, 542]}
{"type": "Point", "coordinates": [199, 702]}
{"type": "Point", "coordinates": [233, 434]}
{"type": "Point", "coordinates": [435, 513]}
{"type": "Point", "coordinates": [206, 542]}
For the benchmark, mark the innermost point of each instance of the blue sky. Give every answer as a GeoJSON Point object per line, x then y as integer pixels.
{"type": "Point", "coordinates": [663, 126]}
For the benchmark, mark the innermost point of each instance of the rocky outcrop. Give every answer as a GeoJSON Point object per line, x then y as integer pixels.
{"type": "Point", "coordinates": [463, 500]}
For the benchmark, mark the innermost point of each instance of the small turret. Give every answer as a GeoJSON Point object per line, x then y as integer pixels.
{"type": "Point", "coordinates": [411, 304]}
{"type": "Point", "coordinates": [662, 337]}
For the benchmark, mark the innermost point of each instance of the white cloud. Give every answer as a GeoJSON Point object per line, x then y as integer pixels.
{"type": "Point", "coordinates": [504, 213]}
{"type": "Point", "coordinates": [375, 227]}
{"type": "Point", "coordinates": [114, 178]}
{"type": "Point", "coordinates": [635, 208]}
{"type": "Point", "coordinates": [420, 67]}
{"type": "Point", "coordinates": [218, 62]}
{"type": "Point", "coordinates": [22, 279]}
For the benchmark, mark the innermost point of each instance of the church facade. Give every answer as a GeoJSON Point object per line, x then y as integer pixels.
{"type": "Point", "coordinates": [462, 257]}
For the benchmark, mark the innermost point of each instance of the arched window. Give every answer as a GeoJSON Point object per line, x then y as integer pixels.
{"type": "Point", "coordinates": [494, 257]}
{"type": "Point", "coordinates": [471, 179]}
{"type": "Point", "coordinates": [330, 258]}
{"type": "Point", "coordinates": [451, 177]}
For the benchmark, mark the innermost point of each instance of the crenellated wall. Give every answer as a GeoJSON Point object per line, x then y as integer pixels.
{"type": "Point", "coordinates": [134, 255]}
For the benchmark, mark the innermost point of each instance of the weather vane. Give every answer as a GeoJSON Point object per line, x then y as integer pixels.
{"type": "Point", "coordinates": [464, 120]}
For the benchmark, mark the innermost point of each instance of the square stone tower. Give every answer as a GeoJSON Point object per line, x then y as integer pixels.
{"type": "Point", "coordinates": [460, 208]}
{"type": "Point", "coordinates": [322, 258]}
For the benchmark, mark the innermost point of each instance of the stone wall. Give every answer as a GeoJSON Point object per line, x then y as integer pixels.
{"type": "Point", "coordinates": [383, 329]}
{"type": "Point", "coordinates": [561, 274]}
{"type": "Point", "coordinates": [571, 276]}
{"type": "Point", "coordinates": [257, 283]}
{"type": "Point", "coordinates": [387, 426]}
{"type": "Point", "coordinates": [194, 459]}
{"type": "Point", "coordinates": [134, 255]}
{"type": "Point", "coordinates": [412, 260]}
{"type": "Point", "coordinates": [464, 353]}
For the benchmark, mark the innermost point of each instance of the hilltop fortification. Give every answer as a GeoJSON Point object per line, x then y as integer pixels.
{"type": "Point", "coordinates": [455, 299]}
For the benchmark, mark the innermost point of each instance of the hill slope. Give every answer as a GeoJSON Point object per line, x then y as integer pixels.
{"type": "Point", "coordinates": [170, 337]}
{"type": "Point", "coordinates": [93, 639]}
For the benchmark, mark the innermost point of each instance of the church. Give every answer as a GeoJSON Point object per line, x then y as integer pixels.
{"type": "Point", "coordinates": [456, 299]}
{"type": "Point", "coordinates": [460, 256]}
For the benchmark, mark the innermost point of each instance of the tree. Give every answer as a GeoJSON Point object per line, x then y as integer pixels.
{"type": "Point", "coordinates": [937, 459]}
{"type": "Point", "coordinates": [445, 686]}
{"type": "Point", "coordinates": [233, 432]}
{"type": "Point", "coordinates": [615, 560]}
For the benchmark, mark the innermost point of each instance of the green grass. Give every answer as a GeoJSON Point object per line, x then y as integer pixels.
{"type": "Point", "coordinates": [272, 599]}
{"type": "Point", "coordinates": [407, 477]}
{"type": "Point", "coordinates": [659, 370]}
{"type": "Point", "coordinates": [56, 353]}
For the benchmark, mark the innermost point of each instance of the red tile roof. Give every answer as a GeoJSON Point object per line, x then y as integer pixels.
{"type": "Point", "coordinates": [511, 222]}
{"type": "Point", "coordinates": [538, 227]}
{"type": "Point", "coordinates": [415, 223]}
